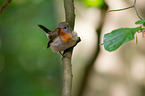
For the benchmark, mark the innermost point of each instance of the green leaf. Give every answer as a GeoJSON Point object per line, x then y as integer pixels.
{"type": "Point", "coordinates": [118, 37]}
{"type": "Point", "coordinates": [140, 22]}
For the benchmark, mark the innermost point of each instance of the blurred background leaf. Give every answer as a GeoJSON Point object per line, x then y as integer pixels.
{"type": "Point", "coordinates": [93, 3]}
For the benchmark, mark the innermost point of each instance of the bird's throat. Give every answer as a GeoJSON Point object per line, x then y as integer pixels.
{"type": "Point", "coordinates": [65, 36]}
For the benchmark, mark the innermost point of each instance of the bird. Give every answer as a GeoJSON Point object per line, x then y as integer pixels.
{"type": "Point", "coordinates": [60, 38]}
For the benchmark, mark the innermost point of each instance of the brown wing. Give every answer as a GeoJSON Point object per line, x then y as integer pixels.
{"type": "Point", "coordinates": [52, 36]}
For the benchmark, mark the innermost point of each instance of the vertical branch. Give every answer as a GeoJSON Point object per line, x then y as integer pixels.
{"type": "Point", "coordinates": [67, 72]}
{"type": "Point", "coordinates": [69, 12]}
{"type": "Point", "coordinates": [89, 67]}
{"type": "Point", "coordinates": [66, 59]}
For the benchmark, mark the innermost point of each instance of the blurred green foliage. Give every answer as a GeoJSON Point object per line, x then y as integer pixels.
{"type": "Point", "coordinates": [27, 67]}
{"type": "Point", "coordinates": [93, 3]}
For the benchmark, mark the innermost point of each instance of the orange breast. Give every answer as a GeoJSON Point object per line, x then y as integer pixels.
{"type": "Point", "coordinates": [65, 36]}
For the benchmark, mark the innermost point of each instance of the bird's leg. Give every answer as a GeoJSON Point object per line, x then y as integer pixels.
{"type": "Point", "coordinates": [60, 53]}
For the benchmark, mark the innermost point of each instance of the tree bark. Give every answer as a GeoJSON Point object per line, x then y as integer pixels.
{"type": "Point", "coordinates": [66, 59]}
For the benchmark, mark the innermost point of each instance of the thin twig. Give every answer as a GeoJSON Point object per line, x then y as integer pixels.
{"type": "Point", "coordinates": [134, 2]}
{"type": "Point", "coordinates": [133, 6]}
{"type": "Point", "coordinates": [5, 5]}
{"type": "Point", "coordinates": [136, 10]}
{"type": "Point", "coordinates": [137, 13]}
{"type": "Point", "coordinates": [122, 9]}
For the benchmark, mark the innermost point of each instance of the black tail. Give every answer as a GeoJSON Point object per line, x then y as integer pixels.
{"type": "Point", "coordinates": [44, 29]}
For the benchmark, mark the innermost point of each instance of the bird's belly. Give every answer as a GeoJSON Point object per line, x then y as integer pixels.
{"type": "Point", "coordinates": [59, 45]}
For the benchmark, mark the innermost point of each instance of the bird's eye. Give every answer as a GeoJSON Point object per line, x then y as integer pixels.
{"type": "Point", "coordinates": [64, 27]}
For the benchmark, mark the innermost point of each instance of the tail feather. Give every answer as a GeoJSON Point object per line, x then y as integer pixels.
{"type": "Point", "coordinates": [44, 29]}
